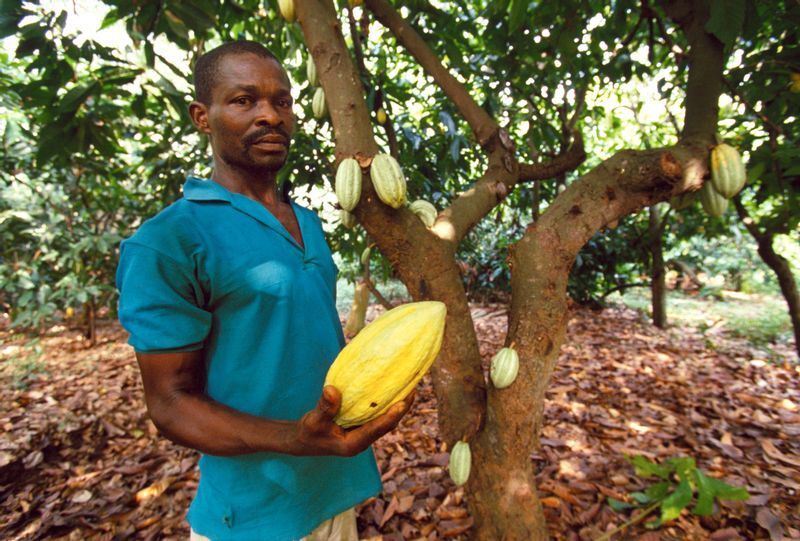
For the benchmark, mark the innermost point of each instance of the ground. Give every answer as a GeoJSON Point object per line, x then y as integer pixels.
{"type": "Point", "coordinates": [79, 459]}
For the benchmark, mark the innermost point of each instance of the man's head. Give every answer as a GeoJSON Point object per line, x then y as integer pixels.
{"type": "Point", "coordinates": [244, 103]}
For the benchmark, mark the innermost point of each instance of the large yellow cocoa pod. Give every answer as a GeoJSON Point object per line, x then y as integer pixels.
{"type": "Point", "coordinates": [713, 203]}
{"type": "Point", "coordinates": [386, 360]}
{"type": "Point", "coordinates": [318, 105]}
{"type": "Point", "coordinates": [358, 312]}
{"type": "Point", "coordinates": [388, 179]}
{"type": "Point", "coordinates": [286, 8]}
{"type": "Point", "coordinates": [348, 183]}
{"type": "Point", "coordinates": [426, 211]}
{"type": "Point", "coordinates": [728, 174]}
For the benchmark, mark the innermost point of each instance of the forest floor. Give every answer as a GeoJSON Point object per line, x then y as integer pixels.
{"type": "Point", "coordinates": [80, 460]}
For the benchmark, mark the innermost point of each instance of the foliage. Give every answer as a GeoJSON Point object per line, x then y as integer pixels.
{"type": "Point", "coordinates": [676, 483]}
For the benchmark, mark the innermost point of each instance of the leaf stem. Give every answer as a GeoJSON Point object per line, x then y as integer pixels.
{"type": "Point", "coordinates": [634, 520]}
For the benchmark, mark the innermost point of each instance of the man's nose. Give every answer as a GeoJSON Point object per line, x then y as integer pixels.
{"type": "Point", "coordinates": [266, 114]}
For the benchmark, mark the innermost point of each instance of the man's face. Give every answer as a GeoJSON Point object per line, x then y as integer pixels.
{"type": "Point", "coordinates": [250, 119]}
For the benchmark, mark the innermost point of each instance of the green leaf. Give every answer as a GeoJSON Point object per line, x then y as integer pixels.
{"type": "Point", "coordinates": [517, 12]}
{"type": "Point", "coordinates": [726, 20]}
{"type": "Point", "coordinates": [619, 506]}
{"type": "Point", "coordinates": [724, 491]}
{"type": "Point", "coordinates": [10, 15]}
{"type": "Point", "coordinates": [658, 491]}
{"type": "Point", "coordinates": [645, 468]}
{"type": "Point", "coordinates": [676, 502]}
{"type": "Point", "coordinates": [705, 495]}
{"type": "Point", "coordinates": [640, 497]}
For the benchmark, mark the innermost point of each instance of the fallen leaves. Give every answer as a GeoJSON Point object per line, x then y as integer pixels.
{"type": "Point", "coordinates": [80, 460]}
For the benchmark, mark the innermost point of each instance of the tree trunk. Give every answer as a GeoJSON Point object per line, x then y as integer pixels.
{"type": "Point", "coordinates": [658, 284]}
{"type": "Point", "coordinates": [779, 265]}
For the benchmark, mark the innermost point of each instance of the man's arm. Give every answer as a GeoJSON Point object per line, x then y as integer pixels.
{"type": "Point", "coordinates": [180, 409]}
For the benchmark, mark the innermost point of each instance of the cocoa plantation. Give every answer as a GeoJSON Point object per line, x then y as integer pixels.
{"type": "Point", "coordinates": [569, 229]}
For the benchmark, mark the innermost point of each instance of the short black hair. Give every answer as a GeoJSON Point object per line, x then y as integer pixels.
{"type": "Point", "coordinates": [207, 66]}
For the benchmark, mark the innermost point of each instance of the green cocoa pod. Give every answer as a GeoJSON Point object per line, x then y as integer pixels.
{"type": "Point", "coordinates": [504, 369]}
{"type": "Point", "coordinates": [426, 211]}
{"type": "Point", "coordinates": [460, 463]}
{"type": "Point", "coordinates": [388, 180]}
{"type": "Point", "coordinates": [728, 173]}
{"type": "Point", "coordinates": [713, 203]}
{"type": "Point", "coordinates": [348, 183]}
{"type": "Point", "coordinates": [318, 105]}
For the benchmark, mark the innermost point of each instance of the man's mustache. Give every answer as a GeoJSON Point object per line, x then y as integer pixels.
{"type": "Point", "coordinates": [252, 138]}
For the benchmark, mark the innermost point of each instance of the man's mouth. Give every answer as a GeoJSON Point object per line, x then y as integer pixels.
{"type": "Point", "coordinates": [271, 143]}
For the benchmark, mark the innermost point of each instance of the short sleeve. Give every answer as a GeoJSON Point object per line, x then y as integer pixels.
{"type": "Point", "coordinates": [160, 302]}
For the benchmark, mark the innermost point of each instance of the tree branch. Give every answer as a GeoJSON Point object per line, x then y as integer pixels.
{"type": "Point", "coordinates": [569, 160]}
{"type": "Point", "coordinates": [482, 124]}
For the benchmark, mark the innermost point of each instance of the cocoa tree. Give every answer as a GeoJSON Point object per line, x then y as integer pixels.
{"type": "Point", "coordinates": [502, 426]}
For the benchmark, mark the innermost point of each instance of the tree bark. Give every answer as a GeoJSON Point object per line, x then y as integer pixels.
{"type": "Point", "coordinates": [658, 283]}
{"type": "Point", "coordinates": [779, 265]}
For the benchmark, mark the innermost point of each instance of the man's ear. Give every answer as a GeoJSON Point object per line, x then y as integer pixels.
{"type": "Point", "coordinates": [199, 113]}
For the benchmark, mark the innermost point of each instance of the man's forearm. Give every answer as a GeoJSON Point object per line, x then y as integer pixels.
{"type": "Point", "coordinates": [196, 421]}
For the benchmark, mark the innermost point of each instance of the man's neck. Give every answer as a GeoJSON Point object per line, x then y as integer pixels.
{"type": "Point", "coordinates": [260, 186]}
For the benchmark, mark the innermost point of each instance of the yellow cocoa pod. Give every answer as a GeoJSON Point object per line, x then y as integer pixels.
{"type": "Point", "coordinates": [286, 8]}
{"type": "Point", "coordinates": [728, 174]}
{"type": "Point", "coordinates": [380, 116]}
{"type": "Point", "coordinates": [348, 183]}
{"type": "Point", "coordinates": [388, 179]}
{"type": "Point", "coordinates": [504, 368]}
{"type": "Point", "coordinates": [713, 203]}
{"type": "Point", "coordinates": [311, 72]}
{"type": "Point", "coordinates": [426, 211]}
{"type": "Point", "coordinates": [318, 105]}
{"type": "Point", "coordinates": [386, 360]}
{"type": "Point", "coordinates": [460, 463]}
{"type": "Point", "coordinates": [347, 219]}
{"type": "Point", "coordinates": [358, 312]}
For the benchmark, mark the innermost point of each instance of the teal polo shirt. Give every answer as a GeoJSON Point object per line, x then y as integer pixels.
{"type": "Point", "coordinates": [217, 271]}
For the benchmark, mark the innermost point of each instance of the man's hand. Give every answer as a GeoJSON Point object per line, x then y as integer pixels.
{"type": "Point", "coordinates": [318, 434]}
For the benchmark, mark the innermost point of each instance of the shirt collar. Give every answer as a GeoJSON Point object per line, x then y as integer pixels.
{"type": "Point", "coordinates": [196, 189]}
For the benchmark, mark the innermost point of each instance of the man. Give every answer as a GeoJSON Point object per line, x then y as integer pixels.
{"type": "Point", "coordinates": [229, 298]}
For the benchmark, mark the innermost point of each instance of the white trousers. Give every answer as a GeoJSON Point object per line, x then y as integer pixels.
{"type": "Point", "coordinates": [342, 527]}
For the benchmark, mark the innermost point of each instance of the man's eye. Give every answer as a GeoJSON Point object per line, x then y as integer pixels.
{"type": "Point", "coordinates": [241, 100]}
{"type": "Point", "coordinates": [285, 103]}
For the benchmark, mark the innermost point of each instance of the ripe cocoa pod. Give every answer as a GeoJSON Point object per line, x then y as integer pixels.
{"type": "Point", "coordinates": [348, 183]}
{"type": "Point", "coordinates": [388, 180]}
{"type": "Point", "coordinates": [386, 360]}
{"type": "Point", "coordinates": [728, 173]}
{"type": "Point", "coordinates": [318, 105]}
{"type": "Point", "coordinates": [713, 203]}
{"type": "Point", "coordinates": [504, 368]}
{"type": "Point", "coordinates": [426, 211]}
{"type": "Point", "coordinates": [380, 116]}
{"type": "Point", "coordinates": [286, 8]}
{"type": "Point", "coordinates": [460, 463]}
{"type": "Point", "coordinates": [311, 72]}
{"type": "Point", "coordinates": [347, 219]}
